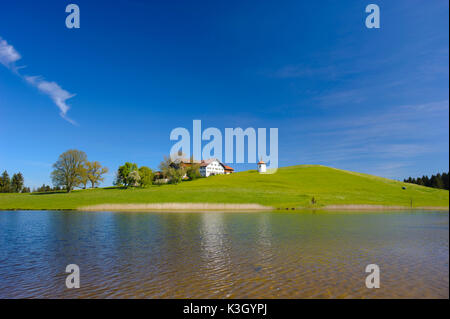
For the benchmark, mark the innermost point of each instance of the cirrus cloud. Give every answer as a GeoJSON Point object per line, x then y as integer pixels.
{"type": "Point", "coordinates": [55, 92]}
{"type": "Point", "coordinates": [9, 56]}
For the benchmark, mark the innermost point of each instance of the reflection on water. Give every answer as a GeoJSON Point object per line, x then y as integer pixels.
{"type": "Point", "coordinates": [224, 255]}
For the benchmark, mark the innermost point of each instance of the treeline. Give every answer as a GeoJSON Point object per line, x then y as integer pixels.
{"type": "Point", "coordinates": [15, 184]}
{"type": "Point", "coordinates": [46, 188]}
{"type": "Point", "coordinates": [130, 175]}
{"type": "Point", "coordinates": [436, 181]}
{"type": "Point", "coordinates": [72, 169]}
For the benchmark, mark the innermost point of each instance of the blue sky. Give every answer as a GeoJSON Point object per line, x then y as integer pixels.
{"type": "Point", "coordinates": [368, 100]}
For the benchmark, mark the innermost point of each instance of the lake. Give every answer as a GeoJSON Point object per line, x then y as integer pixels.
{"type": "Point", "coordinates": [224, 255]}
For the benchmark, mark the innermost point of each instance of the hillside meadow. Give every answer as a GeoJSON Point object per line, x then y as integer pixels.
{"type": "Point", "coordinates": [289, 187]}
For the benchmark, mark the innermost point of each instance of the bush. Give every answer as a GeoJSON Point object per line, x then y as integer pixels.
{"type": "Point", "coordinates": [146, 176]}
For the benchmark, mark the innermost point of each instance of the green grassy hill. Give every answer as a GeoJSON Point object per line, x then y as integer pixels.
{"type": "Point", "coordinates": [293, 186]}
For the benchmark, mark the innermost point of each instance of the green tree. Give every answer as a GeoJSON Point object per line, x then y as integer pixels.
{"type": "Point", "coordinates": [5, 183]}
{"type": "Point", "coordinates": [176, 175]}
{"type": "Point", "coordinates": [165, 165]}
{"type": "Point", "coordinates": [193, 171]}
{"type": "Point", "coordinates": [146, 176]}
{"type": "Point", "coordinates": [436, 181]}
{"type": "Point", "coordinates": [17, 183]}
{"type": "Point", "coordinates": [26, 190]}
{"type": "Point", "coordinates": [445, 180]}
{"type": "Point", "coordinates": [134, 178]}
{"type": "Point", "coordinates": [123, 174]}
{"type": "Point", "coordinates": [174, 172]}
{"type": "Point", "coordinates": [67, 171]}
{"type": "Point", "coordinates": [83, 178]}
{"type": "Point", "coordinates": [95, 172]}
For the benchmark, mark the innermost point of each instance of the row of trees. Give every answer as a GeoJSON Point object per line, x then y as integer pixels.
{"type": "Point", "coordinates": [15, 184]}
{"type": "Point", "coordinates": [130, 174]}
{"type": "Point", "coordinates": [46, 188]}
{"type": "Point", "coordinates": [435, 181]}
{"type": "Point", "coordinates": [72, 169]}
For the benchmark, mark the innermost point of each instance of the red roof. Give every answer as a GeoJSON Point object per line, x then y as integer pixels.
{"type": "Point", "coordinates": [207, 162]}
{"type": "Point", "coordinates": [227, 168]}
{"type": "Point", "coordinates": [261, 162]}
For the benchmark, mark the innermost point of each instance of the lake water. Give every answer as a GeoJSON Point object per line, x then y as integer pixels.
{"type": "Point", "coordinates": [224, 255]}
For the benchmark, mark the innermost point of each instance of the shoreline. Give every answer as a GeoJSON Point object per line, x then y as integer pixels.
{"type": "Point", "coordinates": [381, 207]}
{"type": "Point", "coordinates": [222, 207]}
{"type": "Point", "coordinates": [244, 207]}
{"type": "Point", "coordinates": [177, 207]}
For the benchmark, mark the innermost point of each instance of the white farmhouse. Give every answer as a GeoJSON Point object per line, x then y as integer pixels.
{"type": "Point", "coordinates": [211, 167]}
{"type": "Point", "coordinates": [207, 167]}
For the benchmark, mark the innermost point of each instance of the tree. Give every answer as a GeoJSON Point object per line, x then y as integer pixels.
{"type": "Point", "coordinates": [193, 171]}
{"type": "Point", "coordinates": [95, 172]}
{"type": "Point", "coordinates": [146, 176]}
{"type": "Point", "coordinates": [5, 183]}
{"type": "Point", "coordinates": [165, 165]}
{"type": "Point", "coordinates": [134, 178]}
{"type": "Point", "coordinates": [175, 175]}
{"type": "Point", "coordinates": [26, 190]}
{"type": "Point", "coordinates": [445, 180]}
{"type": "Point", "coordinates": [438, 182]}
{"type": "Point", "coordinates": [68, 169]}
{"type": "Point", "coordinates": [17, 183]}
{"type": "Point", "coordinates": [173, 172]}
{"type": "Point", "coordinates": [83, 178]}
{"type": "Point", "coordinates": [123, 173]}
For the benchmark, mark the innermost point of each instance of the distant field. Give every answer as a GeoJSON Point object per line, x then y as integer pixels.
{"type": "Point", "coordinates": [290, 187]}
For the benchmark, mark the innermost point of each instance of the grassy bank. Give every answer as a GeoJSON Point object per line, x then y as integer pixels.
{"type": "Point", "coordinates": [293, 186]}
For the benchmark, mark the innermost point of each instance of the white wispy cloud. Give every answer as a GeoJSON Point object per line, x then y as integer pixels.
{"type": "Point", "coordinates": [55, 92]}
{"type": "Point", "coordinates": [9, 56]}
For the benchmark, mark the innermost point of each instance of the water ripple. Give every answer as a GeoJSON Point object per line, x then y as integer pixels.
{"type": "Point", "coordinates": [219, 255]}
